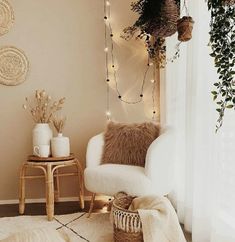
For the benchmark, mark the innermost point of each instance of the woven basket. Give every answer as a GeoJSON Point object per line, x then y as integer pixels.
{"type": "Point", "coordinates": [127, 225]}
{"type": "Point", "coordinates": [185, 27]}
{"type": "Point", "coordinates": [165, 25]}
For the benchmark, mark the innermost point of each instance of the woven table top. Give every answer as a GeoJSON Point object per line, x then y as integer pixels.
{"type": "Point", "coordinates": [33, 158]}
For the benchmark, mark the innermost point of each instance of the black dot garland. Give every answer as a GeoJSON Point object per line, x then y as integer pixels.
{"type": "Point", "coordinates": [108, 28]}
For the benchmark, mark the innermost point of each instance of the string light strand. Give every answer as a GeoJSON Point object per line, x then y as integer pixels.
{"type": "Point", "coordinates": [108, 113]}
{"type": "Point", "coordinates": [110, 53]}
{"type": "Point", "coordinates": [154, 94]}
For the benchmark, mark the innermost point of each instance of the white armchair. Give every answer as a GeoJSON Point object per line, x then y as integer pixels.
{"type": "Point", "coordinates": [155, 178]}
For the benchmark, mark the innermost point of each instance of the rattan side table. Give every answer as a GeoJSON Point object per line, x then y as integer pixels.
{"type": "Point", "coordinates": [50, 167]}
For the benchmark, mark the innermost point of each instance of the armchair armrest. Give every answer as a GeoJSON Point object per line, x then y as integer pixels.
{"type": "Point", "coordinates": [159, 165]}
{"type": "Point", "coordinates": [94, 150]}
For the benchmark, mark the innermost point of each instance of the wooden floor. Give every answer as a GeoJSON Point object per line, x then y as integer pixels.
{"type": "Point", "coordinates": [40, 209]}
{"type": "Point", "coordinates": [60, 208]}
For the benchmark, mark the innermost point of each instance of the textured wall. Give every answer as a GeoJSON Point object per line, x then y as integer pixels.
{"type": "Point", "coordinates": [64, 42]}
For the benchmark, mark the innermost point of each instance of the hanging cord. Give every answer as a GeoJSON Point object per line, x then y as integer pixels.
{"type": "Point", "coordinates": [185, 7]}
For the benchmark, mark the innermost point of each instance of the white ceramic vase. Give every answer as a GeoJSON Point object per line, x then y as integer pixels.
{"type": "Point", "coordinates": [42, 135]}
{"type": "Point", "coordinates": [60, 146]}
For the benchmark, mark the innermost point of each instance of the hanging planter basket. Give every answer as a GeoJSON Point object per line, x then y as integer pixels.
{"type": "Point", "coordinates": [165, 24]}
{"type": "Point", "coordinates": [160, 22]}
{"type": "Point", "coordinates": [157, 20]}
{"type": "Point", "coordinates": [185, 28]}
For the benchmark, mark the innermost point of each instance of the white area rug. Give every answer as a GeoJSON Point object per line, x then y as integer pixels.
{"type": "Point", "coordinates": [77, 226]}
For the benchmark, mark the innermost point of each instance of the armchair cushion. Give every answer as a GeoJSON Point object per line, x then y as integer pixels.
{"type": "Point", "coordinates": [112, 178]}
{"type": "Point", "coordinates": [128, 143]}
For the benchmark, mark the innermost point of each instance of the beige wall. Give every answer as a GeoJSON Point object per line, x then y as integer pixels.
{"type": "Point", "coordinates": [63, 40]}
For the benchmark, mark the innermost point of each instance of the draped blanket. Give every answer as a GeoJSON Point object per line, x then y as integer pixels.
{"type": "Point", "coordinates": [159, 220]}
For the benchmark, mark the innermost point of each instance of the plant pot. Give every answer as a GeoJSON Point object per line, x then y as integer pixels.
{"type": "Point", "coordinates": [185, 27]}
{"type": "Point", "coordinates": [42, 135]}
{"type": "Point", "coordinates": [60, 146]}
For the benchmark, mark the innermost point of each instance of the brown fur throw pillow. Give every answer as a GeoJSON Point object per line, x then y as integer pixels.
{"type": "Point", "coordinates": [128, 143]}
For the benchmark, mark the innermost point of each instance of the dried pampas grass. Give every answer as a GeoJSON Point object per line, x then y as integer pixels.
{"type": "Point", "coordinates": [59, 123]}
{"type": "Point", "coordinates": [42, 108]}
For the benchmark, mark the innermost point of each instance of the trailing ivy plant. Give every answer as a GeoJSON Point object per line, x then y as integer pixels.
{"type": "Point", "coordinates": [222, 42]}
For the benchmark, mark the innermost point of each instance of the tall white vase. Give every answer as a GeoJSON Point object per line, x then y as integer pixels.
{"type": "Point", "coordinates": [60, 146]}
{"type": "Point", "coordinates": [42, 135]}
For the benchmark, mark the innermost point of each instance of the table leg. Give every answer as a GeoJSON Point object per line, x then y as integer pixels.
{"type": "Point", "coordinates": [49, 193]}
{"type": "Point", "coordinates": [22, 189]}
{"type": "Point", "coordinates": [57, 185]}
{"type": "Point", "coordinates": [80, 185]}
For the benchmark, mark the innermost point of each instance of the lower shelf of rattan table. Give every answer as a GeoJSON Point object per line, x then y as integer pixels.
{"type": "Point", "coordinates": [52, 178]}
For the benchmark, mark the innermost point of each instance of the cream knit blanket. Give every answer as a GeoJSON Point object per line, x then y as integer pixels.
{"type": "Point", "coordinates": [159, 220]}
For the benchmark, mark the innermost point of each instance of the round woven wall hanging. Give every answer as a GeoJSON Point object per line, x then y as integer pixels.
{"type": "Point", "coordinates": [14, 66]}
{"type": "Point", "coordinates": [6, 17]}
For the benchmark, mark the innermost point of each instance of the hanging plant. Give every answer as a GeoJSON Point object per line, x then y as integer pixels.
{"type": "Point", "coordinates": [185, 25]}
{"type": "Point", "coordinates": [222, 42]}
{"type": "Point", "coordinates": [157, 20]}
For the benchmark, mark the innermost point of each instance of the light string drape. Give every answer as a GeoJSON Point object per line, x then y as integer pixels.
{"type": "Point", "coordinates": [109, 57]}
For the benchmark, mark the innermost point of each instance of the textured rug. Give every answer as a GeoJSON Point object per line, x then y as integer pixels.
{"type": "Point", "coordinates": [77, 226]}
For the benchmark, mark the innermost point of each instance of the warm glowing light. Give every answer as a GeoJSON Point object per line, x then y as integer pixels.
{"type": "Point", "coordinates": [152, 81]}
{"type": "Point", "coordinates": [108, 3]}
{"type": "Point", "coordinates": [151, 64]}
{"type": "Point", "coordinates": [108, 113]}
{"type": "Point", "coordinates": [106, 49]}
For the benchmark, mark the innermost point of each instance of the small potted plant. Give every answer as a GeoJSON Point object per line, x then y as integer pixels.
{"type": "Point", "coordinates": [60, 145]}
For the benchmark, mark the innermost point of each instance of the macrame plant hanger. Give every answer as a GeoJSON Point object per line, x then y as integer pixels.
{"type": "Point", "coordinates": [185, 25]}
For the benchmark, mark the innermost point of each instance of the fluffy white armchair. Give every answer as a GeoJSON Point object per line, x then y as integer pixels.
{"type": "Point", "coordinates": [155, 178]}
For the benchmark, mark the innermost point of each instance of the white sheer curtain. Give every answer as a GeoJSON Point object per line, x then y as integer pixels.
{"type": "Point", "coordinates": [204, 193]}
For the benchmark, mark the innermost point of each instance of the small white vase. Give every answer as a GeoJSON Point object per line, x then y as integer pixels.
{"type": "Point", "coordinates": [42, 135]}
{"type": "Point", "coordinates": [60, 146]}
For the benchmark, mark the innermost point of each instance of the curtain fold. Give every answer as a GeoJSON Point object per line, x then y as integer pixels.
{"type": "Point", "coordinates": [204, 192]}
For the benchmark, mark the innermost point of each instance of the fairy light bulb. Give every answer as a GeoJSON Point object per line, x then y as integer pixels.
{"type": "Point", "coordinates": [152, 81]}
{"type": "Point", "coordinates": [108, 113]}
{"type": "Point", "coordinates": [150, 64]}
{"type": "Point", "coordinates": [106, 49]}
{"type": "Point", "coordinates": [106, 19]}
{"type": "Point", "coordinates": [107, 3]}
